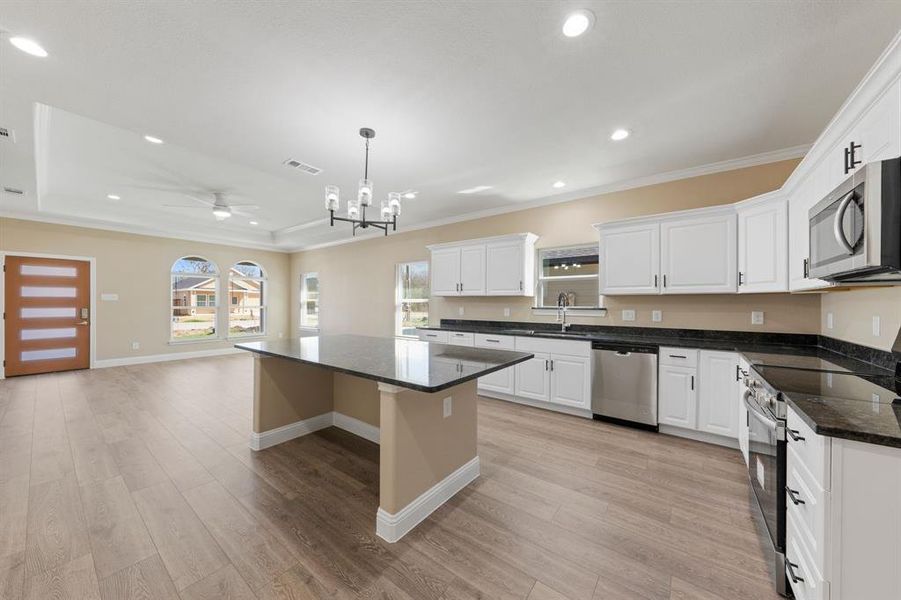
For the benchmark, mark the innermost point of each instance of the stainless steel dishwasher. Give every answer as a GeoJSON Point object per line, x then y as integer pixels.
{"type": "Point", "coordinates": [624, 387]}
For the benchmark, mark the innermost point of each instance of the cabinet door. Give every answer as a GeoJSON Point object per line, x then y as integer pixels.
{"type": "Point", "coordinates": [742, 412]}
{"type": "Point", "coordinates": [699, 254]}
{"type": "Point", "coordinates": [472, 270]}
{"type": "Point", "coordinates": [570, 381]}
{"type": "Point", "coordinates": [763, 247]}
{"type": "Point", "coordinates": [718, 383]}
{"type": "Point", "coordinates": [505, 269]}
{"type": "Point", "coordinates": [445, 272]}
{"type": "Point", "coordinates": [499, 381]}
{"type": "Point", "coordinates": [533, 378]}
{"type": "Point", "coordinates": [880, 128]}
{"type": "Point", "coordinates": [678, 400]}
{"type": "Point", "coordinates": [630, 259]}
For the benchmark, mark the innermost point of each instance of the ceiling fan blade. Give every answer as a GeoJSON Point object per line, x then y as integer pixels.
{"type": "Point", "coordinates": [184, 206]}
{"type": "Point", "coordinates": [245, 206]}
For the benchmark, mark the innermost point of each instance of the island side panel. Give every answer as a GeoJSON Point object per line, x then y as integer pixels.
{"type": "Point", "coordinates": [357, 398]}
{"type": "Point", "coordinates": [286, 392]}
{"type": "Point", "coordinates": [421, 448]}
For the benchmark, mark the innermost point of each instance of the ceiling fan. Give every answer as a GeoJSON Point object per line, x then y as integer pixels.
{"type": "Point", "coordinates": [222, 209]}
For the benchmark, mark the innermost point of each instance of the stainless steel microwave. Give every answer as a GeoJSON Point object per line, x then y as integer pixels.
{"type": "Point", "coordinates": [855, 231]}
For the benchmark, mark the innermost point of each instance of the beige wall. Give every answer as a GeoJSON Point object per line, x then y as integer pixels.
{"type": "Point", "coordinates": [136, 267]}
{"type": "Point", "coordinates": [357, 279]}
{"type": "Point", "coordinates": [853, 311]}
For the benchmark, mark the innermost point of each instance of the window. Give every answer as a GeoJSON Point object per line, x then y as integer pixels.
{"type": "Point", "coordinates": [411, 298]}
{"type": "Point", "coordinates": [309, 301]}
{"type": "Point", "coordinates": [572, 271]}
{"type": "Point", "coordinates": [247, 299]}
{"type": "Point", "coordinates": [194, 283]}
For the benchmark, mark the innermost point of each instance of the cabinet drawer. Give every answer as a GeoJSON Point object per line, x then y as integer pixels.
{"type": "Point", "coordinates": [678, 357]}
{"type": "Point", "coordinates": [808, 584]}
{"type": "Point", "coordinates": [432, 336]}
{"type": "Point", "coordinates": [808, 504]}
{"type": "Point", "coordinates": [811, 450]}
{"type": "Point", "coordinates": [501, 342]}
{"type": "Point", "coordinates": [459, 338]}
{"type": "Point", "coordinates": [547, 346]}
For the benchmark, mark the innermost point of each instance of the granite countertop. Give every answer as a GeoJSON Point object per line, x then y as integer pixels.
{"type": "Point", "coordinates": [406, 363]}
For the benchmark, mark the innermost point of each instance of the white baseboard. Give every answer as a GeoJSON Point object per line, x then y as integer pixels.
{"type": "Point", "coordinates": [567, 410]}
{"type": "Point", "coordinates": [273, 437]}
{"type": "Point", "coordinates": [699, 436]}
{"type": "Point", "coordinates": [152, 358]}
{"type": "Point", "coordinates": [393, 527]}
{"type": "Point", "coordinates": [356, 427]}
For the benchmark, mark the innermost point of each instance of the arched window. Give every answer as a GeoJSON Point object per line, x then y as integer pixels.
{"type": "Point", "coordinates": [246, 299]}
{"type": "Point", "coordinates": [195, 287]}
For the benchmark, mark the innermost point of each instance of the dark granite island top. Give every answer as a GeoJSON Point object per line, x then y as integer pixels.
{"type": "Point", "coordinates": [421, 366]}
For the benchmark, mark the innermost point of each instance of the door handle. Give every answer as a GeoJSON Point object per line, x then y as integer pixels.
{"type": "Point", "coordinates": [83, 323]}
{"type": "Point", "coordinates": [790, 569]}
{"type": "Point", "coordinates": [806, 268]}
{"type": "Point", "coordinates": [793, 434]}
{"type": "Point", "coordinates": [837, 228]}
{"type": "Point", "coordinates": [793, 496]}
{"type": "Point", "coordinates": [655, 280]}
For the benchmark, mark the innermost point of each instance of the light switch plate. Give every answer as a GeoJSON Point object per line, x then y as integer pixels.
{"type": "Point", "coordinates": [461, 311]}
{"type": "Point", "coordinates": [656, 315]}
{"type": "Point", "coordinates": [136, 345]}
{"type": "Point", "coordinates": [628, 315]}
{"type": "Point", "coordinates": [448, 406]}
{"type": "Point", "coordinates": [877, 325]}
{"type": "Point", "coordinates": [756, 317]}
{"type": "Point", "coordinates": [830, 320]}
{"type": "Point", "coordinates": [507, 312]}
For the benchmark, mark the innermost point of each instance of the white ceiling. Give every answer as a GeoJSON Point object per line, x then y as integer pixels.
{"type": "Point", "coordinates": [461, 94]}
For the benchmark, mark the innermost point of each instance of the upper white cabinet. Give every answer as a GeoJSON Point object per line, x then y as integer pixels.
{"type": "Point", "coordinates": [763, 244]}
{"type": "Point", "coordinates": [501, 266]}
{"type": "Point", "coordinates": [629, 258]}
{"type": "Point", "coordinates": [698, 253]}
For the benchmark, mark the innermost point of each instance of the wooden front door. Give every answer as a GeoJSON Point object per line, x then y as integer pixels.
{"type": "Point", "coordinates": [47, 315]}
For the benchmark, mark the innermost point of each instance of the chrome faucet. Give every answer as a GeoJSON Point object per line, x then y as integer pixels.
{"type": "Point", "coordinates": [561, 312]}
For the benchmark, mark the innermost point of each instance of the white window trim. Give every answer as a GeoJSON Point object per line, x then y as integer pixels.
{"type": "Point", "coordinates": [264, 306]}
{"type": "Point", "coordinates": [302, 301]}
{"type": "Point", "coordinates": [398, 300]}
{"type": "Point", "coordinates": [539, 309]}
{"type": "Point", "coordinates": [173, 341]}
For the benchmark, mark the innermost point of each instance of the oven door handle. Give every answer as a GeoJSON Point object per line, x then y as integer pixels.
{"type": "Point", "coordinates": [838, 230]}
{"type": "Point", "coordinates": [761, 415]}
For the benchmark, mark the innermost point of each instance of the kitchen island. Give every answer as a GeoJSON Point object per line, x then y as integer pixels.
{"type": "Point", "coordinates": [426, 417]}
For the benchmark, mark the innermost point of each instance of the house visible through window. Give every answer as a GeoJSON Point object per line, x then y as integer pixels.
{"type": "Point", "coordinates": [411, 297]}
{"type": "Point", "coordinates": [570, 271]}
{"type": "Point", "coordinates": [247, 293]}
{"type": "Point", "coordinates": [309, 301]}
{"type": "Point", "coordinates": [194, 283]}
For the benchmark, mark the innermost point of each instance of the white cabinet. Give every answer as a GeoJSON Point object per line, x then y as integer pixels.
{"type": "Point", "coordinates": [502, 381]}
{"type": "Point", "coordinates": [698, 253]}
{"type": "Point", "coordinates": [501, 266]}
{"type": "Point", "coordinates": [677, 396]}
{"type": "Point", "coordinates": [533, 379]}
{"type": "Point", "coordinates": [460, 338]}
{"type": "Point", "coordinates": [808, 193]}
{"type": "Point", "coordinates": [431, 335]}
{"type": "Point", "coordinates": [629, 258]}
{"type": "Point", "coordinates": [718, 380]}
{"type": "Point", "coordinates": [743, 424]}
{"type": "Point", "coordinates": [570, 381]}
{"type": "Point", "coordinates": [763, 244]}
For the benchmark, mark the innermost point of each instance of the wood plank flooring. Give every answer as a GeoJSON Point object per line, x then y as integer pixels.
{"type": "Point", "coordinates": [136, 482]}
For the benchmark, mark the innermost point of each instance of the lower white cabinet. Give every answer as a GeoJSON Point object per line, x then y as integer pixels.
{"type": "Point", "coordinates": [719, 383]}
{"type": "Point", "coordinates": [743, 424]}
{"type": "Point", "coordinates": [570, 381]}
{"type": "Point", "coordinates": [677, 401]}
{"type": "Point", "coordinates": [533, 378]}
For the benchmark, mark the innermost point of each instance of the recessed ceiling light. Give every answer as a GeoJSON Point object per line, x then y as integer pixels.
{"type": "Point", "coordinates": [153, 140]}
{"type": "Point", "coordinates": [28, 46]}
{"type": "Point", "coordinates": [619, 134]}
{"type": "Point", "coordinates": [409, 195]}
{"type": "Point", "coordinates": [254, 223]}
{"type": "Point", "coordinates": [559, 184]}
{"type": "Point", "coordinates": [113, 197]}
{"type": "Point", "coordinates": [475, 190]}
{"type": "Point", "coordinates": [578, 23]}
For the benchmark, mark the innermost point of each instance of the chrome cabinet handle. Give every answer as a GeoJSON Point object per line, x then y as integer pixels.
{"type": "Point", "coordinates": [837, 228]}
{"type": "Point", "coordinates": [793, 434]}
{"type": "Point", "coordinates": [793, 496]}
{"type": "Point", "coordinates": [790, 568]}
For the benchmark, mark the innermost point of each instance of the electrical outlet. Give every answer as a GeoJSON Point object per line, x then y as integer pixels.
{"type": "Point", "coordinates": [656, 315]}
{"type": "Point", "coordinates": [507, 311]}
{"type": "Point", "coordinates": [756, 317]}
{"type": "Point", "coordinates": [448, 406]}
{"type": "Point", "coordinates": [877, 325]}
{"type": "Point", "coordinates": [136, 345]}
{"type": "Point", "coordinates": [628, 315]}
{"type": "Point", "coordinates": [461, 311]}
{"type": "Point", "coordinates": [829, 380]}
{"type": "Point", "coordinates": [830, 320]}
{"type": "Point", "coordinates": [281, 334]}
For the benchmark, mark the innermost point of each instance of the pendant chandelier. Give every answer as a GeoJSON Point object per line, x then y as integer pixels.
{"type": "Point", "coordinates": [356, 209]}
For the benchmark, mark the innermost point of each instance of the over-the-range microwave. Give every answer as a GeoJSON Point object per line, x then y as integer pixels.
{"type": "Point", "coordinates": [855, 231]}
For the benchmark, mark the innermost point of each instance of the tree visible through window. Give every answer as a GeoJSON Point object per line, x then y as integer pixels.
{"type": "Point", "coordinates": [309, 301]}
{"type": "Point", "coordinates": [411, 297]}
{"type": "Point", "coordinates": [194, 283]}
{"type": "Point", "coordinates": [247, 304]}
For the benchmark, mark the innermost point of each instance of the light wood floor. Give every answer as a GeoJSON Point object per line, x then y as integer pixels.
{"type": "Point", "coordinates": [137, 482]}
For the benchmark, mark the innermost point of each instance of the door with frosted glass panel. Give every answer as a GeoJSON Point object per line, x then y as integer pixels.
{"type": "Point", "coordinates": [47, 315]}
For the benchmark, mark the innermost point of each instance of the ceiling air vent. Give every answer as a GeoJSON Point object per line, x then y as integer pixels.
{"type": "Point", "coordinates": [11, 190]}
{"type": "Point", "coordinates": [302, 166]}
